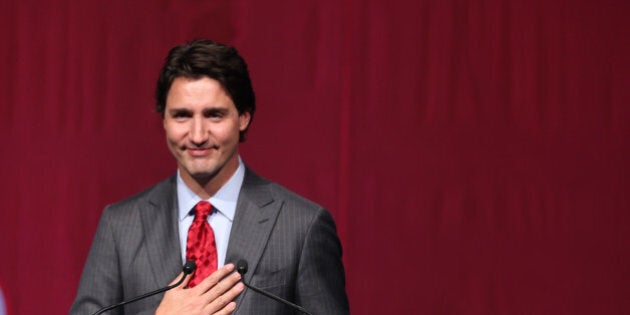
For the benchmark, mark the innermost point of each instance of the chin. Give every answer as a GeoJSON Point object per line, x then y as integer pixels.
{"type": "Point", "coordinates": [202, 168]}
{"type": "Point", "coordinates": [203, 174]}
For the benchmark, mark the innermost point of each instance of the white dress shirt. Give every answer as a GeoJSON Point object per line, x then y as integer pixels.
{"type": "Point", "coordinates": [224, 203]}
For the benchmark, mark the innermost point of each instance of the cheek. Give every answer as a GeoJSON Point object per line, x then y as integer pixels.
{"type": "Point", "coordinates": [225, 133]}
{"type": "Point", "coordinates": [174, 132]}
{"type": "Point", "coordinates": [170, 137]}
{"type": "Point", "coordinates": [172, 144]}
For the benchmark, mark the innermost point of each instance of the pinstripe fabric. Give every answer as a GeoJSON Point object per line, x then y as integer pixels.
{"type": "Point", "coordinates": [290, 244]}
{"type": "Point", "coordinates": [135, 250]}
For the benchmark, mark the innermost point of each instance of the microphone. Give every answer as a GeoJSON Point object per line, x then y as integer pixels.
{"type": "Point", "coordinates": [241, 267]}
{"type": "Point", "coordinates": [188, 268]}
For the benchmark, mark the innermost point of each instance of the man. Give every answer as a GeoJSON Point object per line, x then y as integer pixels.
{"type": "Point", "coordinates": [207, 103]}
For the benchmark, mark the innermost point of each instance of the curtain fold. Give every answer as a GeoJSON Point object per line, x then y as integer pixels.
{"type": "Point", "coordinates": [474, 154]}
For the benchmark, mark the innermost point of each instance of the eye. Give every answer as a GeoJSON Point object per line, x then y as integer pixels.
{"type": "Point", "coordinates": [214, 114]}
{"type": "Point", "coordinates": [180, 114]}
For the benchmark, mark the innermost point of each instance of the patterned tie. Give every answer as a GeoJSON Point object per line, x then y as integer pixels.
{"type": "Point", "coordinates": [200, 246]}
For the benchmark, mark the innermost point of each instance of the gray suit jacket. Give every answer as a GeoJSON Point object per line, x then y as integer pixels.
{"type": "Point", "coordinates": [290, 243]}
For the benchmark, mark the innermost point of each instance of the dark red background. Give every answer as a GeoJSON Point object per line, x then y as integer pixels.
{"type": "Point", "coordinates": [474, 153]}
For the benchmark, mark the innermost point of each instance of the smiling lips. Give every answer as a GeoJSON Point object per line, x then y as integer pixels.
{"type": "Point", "coordinates": [199, 152]}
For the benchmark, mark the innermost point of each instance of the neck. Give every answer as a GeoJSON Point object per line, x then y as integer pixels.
{"type": "Point", "coordinates": [206, 186]}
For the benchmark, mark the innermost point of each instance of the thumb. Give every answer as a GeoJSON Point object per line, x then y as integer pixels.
{"type": "Point", "coordinates": [183, 284]}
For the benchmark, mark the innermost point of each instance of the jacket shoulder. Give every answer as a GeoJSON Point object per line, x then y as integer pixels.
{"type": "Point", "coordinates": [160, 193]}
{"type": "Point", "coordinates": [279, 193]}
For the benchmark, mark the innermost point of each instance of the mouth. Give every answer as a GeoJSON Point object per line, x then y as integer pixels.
{"type": "Point", "coordinates": [199, 152]}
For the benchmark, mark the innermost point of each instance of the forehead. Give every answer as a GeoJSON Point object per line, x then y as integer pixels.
{"type": "Point", "coordinates": [203, 91]}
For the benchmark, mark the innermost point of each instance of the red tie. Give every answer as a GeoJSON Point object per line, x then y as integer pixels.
{"type": "Point", "coordinates": [200, 246]}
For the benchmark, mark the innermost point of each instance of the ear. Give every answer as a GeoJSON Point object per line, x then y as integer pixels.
{"type": "Point", "coordinates": [243, 120]}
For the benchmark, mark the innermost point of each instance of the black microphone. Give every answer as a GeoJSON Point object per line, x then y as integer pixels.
{"type": "Point", "coordinates": [241, 267]}
{"type": "Point", "coordinates": [188, 268]}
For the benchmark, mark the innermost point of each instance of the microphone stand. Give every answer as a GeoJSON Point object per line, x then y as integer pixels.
{"type": "Point", "coordinates": [241, 267]}
{"type": "Point", "coordinates": [189, 267]}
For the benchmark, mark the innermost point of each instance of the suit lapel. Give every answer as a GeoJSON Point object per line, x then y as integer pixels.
{"type": "Point", "coordinates": [255, 217]}
{"type": "Point", "coordinates": [161, 236]}
{"type": "Point", "coordinates": [256, 214]}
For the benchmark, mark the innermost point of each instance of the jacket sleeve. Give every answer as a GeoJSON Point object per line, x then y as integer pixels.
{"type": "Point", "coordinates": [320, 285]}
{"type": "Point", "coordinates": [100, 283]}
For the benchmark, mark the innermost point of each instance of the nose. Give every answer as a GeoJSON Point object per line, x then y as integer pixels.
{"type": "Point", "coordinates": [198, 132]}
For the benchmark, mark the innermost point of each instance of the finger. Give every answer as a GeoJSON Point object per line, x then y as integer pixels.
{"type": "Point", "coordinates": [184, 283]}
{"type": "Point", "coordinates": [223, 303]}
{"type": "Point", "coordinates": [228, 309]}
{"type": "Point", "coordinates": [220, 295]}
{"type": "Point", "coordinates": [186, 280]}
{"type": "Point", "coordinates": [176, 279]}
{"type": "Point", "coordinates": [214, 278]}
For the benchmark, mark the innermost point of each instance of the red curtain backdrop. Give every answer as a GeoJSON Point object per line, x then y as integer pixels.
{"type": "Point", "coordinates": [475, 154]}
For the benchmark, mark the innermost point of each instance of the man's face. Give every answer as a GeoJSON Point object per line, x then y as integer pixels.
{"type": "Point", "coordinates": [202, 130]}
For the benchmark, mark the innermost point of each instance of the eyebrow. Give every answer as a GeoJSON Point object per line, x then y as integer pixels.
{"type": "Point", "coordinates": [205, 111]}
{"type": "Point", "coordinates": [214, 110]}
{"type": "Point", "coordinates": [174, 111]}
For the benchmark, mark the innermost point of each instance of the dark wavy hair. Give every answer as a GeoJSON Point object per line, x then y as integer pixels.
{"type": "Point", "coordinates": [205, 58]}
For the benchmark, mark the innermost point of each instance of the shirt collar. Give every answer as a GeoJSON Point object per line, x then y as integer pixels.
{"type": "Point", "coordinates": [224, 200]}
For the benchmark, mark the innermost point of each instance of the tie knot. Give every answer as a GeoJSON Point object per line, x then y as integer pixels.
{"type": "Point", "coordinates": [203, 209]}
